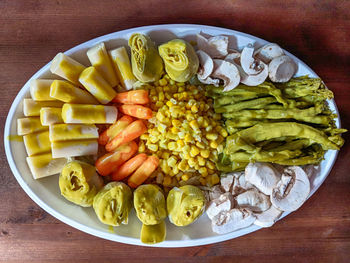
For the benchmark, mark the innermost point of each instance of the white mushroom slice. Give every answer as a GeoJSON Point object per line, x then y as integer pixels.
{"type": "Point", "coordinates": [223, 203]}
{"type": "Point", "coordinates": [226, 181]}
{"type": "Point", "coordinates": [268, 217]}
{"type": "Point", "coordinates": [263, 176]}
{"type": "Point", "coordinates": [206, 65]}
{"type": "Point", "coordinates": [215, 47]}
{"type": "Point", "coordinates": [228, 72]}
{"type": "Point", "coordinates": [282, 69]}
{"type": "Point", "coordinates": [249, 64]}
{"type": "Point", "coordinates": [244, 183]}
{"type": "Point", "coordinates": [209, 81]}
{"type": "Point", "coordinates": [292, 190]}
{"type": "Point", "coordinates": [269, 52]}
{"type": "Point", "coordinates": [232, 220]}
{"type": "Point", "coordinates": [215, 192]}
{"type": "Point", "coordinates": [253, 200]}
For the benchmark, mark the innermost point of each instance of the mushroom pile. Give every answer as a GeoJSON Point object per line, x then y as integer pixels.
{"type": "Point", "coordinates": [250, 67]}
{"type": "Point", "coordinates": [259, 195]}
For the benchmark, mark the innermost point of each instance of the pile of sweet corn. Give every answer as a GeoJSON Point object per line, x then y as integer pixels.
{"type": "Point", "coordinates": [184, 133]}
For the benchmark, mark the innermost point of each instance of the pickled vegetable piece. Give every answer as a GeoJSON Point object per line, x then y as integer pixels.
{"type": "Point", "coordinates": [152, 234]}
{"type": "Point", "coordinates": [180, 59]}
{"type": "Point", "coordinates": [113, 203]}
{"type": "Point", "coordinates": [185, 204]}
{"type": "Point", "coordinates": [114, 129]}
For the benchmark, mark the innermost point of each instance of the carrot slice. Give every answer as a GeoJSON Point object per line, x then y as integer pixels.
{"type": "Point", "coordinates": [137, 111]}
{"type": "Point", "coordinates": [132, 97]}
{"type": "Point", "coordinates": [129, 167]}
{"type": "Point", "coordinates": [143, 172]}
{"type": "Point", "coordinates": [131, 132]}
{"type": "Point", "coordinates": [114, 129]}
{"type": "Point", "coordinates": [112, 161]}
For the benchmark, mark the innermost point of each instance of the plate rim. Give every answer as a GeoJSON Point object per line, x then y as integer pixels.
{"type": "Point", "coordinates": [112, 236]}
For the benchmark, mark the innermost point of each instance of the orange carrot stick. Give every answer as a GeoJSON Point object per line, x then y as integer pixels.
{"type": "Point", "coordinates": [131, 132]}
{"type": "Point", "coordinates": [143, 172]}
{"type": "Point", "coordinates": [111, 161]}
{"type": "Point", "coordinates": [137, 111]}
{"type": "Point", "coordinates": [114, 129]}
{"type": "Point", "coordinates": [129, 167]}
{"type": "Point", "coordinates": [132, 97]}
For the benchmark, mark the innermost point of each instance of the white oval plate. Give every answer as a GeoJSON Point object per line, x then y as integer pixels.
{"type": "Point", "coordinates": [45, 192]}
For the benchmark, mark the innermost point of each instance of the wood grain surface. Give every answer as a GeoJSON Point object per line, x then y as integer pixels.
{"type": "Point", "coordinates": [318, 32]}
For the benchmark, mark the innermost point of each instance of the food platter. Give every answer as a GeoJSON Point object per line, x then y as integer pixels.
{"type": "Point", "coordinates": [45, 192]}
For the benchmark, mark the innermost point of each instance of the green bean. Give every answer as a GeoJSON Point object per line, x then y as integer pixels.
{"type": "Point", "coordinates": [249, 104]}
{"type": "Point", "coordinates": [264, 156]}
{"type": "Point", "coordinates": [293, 145]}
{"type": "Point", "coordinates": [226, 100]}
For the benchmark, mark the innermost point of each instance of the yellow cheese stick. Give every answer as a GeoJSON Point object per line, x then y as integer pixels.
{"type": "Point", "coordinates": [29, 125]}
{"type": "Point", "coordinates": [49, 116]}
{"type": "Point", "coordinates": [40, 89]}
{"type": "Point", "coordinates": [66, 132]}
{"type": "Point", "coordinates": [64, 91]}
{"type": "Point", "coordinates": [67, 149]}
{"type": "Point", "coordinates": [89, 114]}
{"type": "Point", "coordinates": [121, 63]}
{"type": "Point", "coordinates": [93, 81]}
{"type": "Point", "coordinates": [32, 107]}
{"type": "Point", "coordinates": [37, 143]}
{"type": "Point", "coordinates": [67, 68]}
{"type": "Point", "coordinates": [99, 58]}
{"type": "Point", "coordinates": [44, 165]}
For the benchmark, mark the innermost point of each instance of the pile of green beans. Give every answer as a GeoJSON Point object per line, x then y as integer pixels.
{"type": "Point", "coordinates": [286, 123]}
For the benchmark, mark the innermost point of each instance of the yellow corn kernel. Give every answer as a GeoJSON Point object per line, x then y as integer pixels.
{"type": "Point", "coordinates": [167, 180]}
{"type": "Point", "coordinates": [142, 147]}
{"type": "Point", "coordinates": [211, 136]}
{"type": "Point", "coordinates": [194, 125]}
{"type": "Point", "coordinates": [161, 128]}
{"type": "Point", "coordinates": [188, 138]}
{"type": "Point", "coordinates": [194, 109]}
{"type": "Point", "coordinates": [182, 165]}
{"type": "Point", "coordinates": [172, 136]}
{"type": "Point", "coordinates": [191, 162]}
{"type": "Point", "coordinates": [210, 165]}
{"type": "Point", "coordinates": [186, 155]}
{"type": "Point", "coordinates": [153, 139]}
{"type": "Point", "coordinates": [220, 148]}
{"type": "Point", "coordinates": [159, 104]}
{"type": "Point", "coordinates": [200, 145]}
{"type": "Point", "coordinates": [196, 166]}
{"type": "Point", "coordinates": [176, 170]}
{"type": "Point", "coordinates": [223, 132]}
{"type": "Point", "coordinates": [205, 153]}
{"type": "Point", "coordinates": [185, 177]}
{"type": "Point", "coordinates": [214, 179]}
{"type": "Point", "coordinates": [153, 92]}
{"type": "Point", "coordinates": [153, 147]}
{"type": "Point", "coordinates": [144, 136]}
{"type": "Point", "coordinates": [172, 161]}
{"type": "Point", "coordinates": [172, 146]}
{"type": "Point", "coordinates": [210, 171]}
{"type": "Point", "coordinates": [220, 139]}
{"type": "Point", "coordinates": [176, 123]}
{"type": "Point", "coordinates": [174, 130]}
{"type": "Point", "coordinates": [213, 144]}
{"type": "Point", "coordinates": [165, 155]}
{"type": "Point", "coordinates": [163, 82]}
{"type": "Point", "coordinates": [202, 181]}
{"type": "Point", "coordinates": [194, 151]}
{"type": "Point", "coordinates": [180, 143]}
{"type": "Point", "coordinates": [203, 171]}
{"type": "Point", "coordinates": [169, 104]}
{"type": "Point", "coordinates": [217, 116]}
{"type": "Point", "coordinates": [200, 160]}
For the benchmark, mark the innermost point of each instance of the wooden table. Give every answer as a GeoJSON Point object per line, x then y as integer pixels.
{"type": "Point", "coordinates": [318, 32]}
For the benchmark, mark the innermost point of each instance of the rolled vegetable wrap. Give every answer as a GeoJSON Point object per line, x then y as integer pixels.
{"type": "Point", "coordinates": [79, 183]}
{"type": "Point", "coordinates": [180, 59]}
{"type": "Point", "coordinates": [113, 203]}
{"type": "Point", "coordinates": [185, 204]}
{"type": "Point", "coordinates": [146, 63]}
{"type": "Point", "coordinates": [149, 203]}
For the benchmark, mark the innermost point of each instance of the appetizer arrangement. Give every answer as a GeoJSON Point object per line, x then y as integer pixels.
{"type": "Point", "coordinates": [177, 130]}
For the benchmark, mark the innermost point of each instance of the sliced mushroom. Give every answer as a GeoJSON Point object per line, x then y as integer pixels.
{"type": "Point", "coordinates": [269, 52]}
{"type": "Point", "coordinates": [228, 72]}
{"type": "Point", "coordinates": [268, 217]}
{"type": "Point", "coordinates": [249, 80]}
{"type": "Point", "coordinates": [215, 47]}
{"type": "Point", "coordinates": [232, 220]}
{"type": "Point", "coordinates": [253, 200]}
{"type": "Point", "coordinates": [263, 175]}
{"type": "Point", "coordinates": [226, 181]}
{"type": "Point", "coordinates": [282, 69]}
{"type": "Point", "coordinates": [249, 64]}
{"type": "Point", "coordinates": [292, 190]}
{"type": "Point", "coordinates": [221, 204]}
{"type": "Point", "coordinates": [206, 65]}
{"type": "Point", "coordinates": [215, 192]}
{"type": "Point", "coordinates": [209, 81]}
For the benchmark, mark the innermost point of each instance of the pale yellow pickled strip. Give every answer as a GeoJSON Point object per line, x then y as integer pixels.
{"type": "Point", "coordinates": [32, 108]}
{"type": "Point", "coordinates": [29, 125]}
{"type": "Point", "coordinates": [67, 149]}
{"type": "Point", "coordinates": [44, 165]}
{"type": "Point", "coordinates": [66, 132]}
{"type": "Point", "coordinates": [67, 68]}
{"type": "Point", "coordinates": [93, 81]}
{"type": "Point", "coordinates": [88, 114]}
{"type": "Point", "coordinates": [99, 58]}
{"type": "Point", "coordinates": [37, 143]}
{"type": "Point", "coordinates": [64, 91]}
{"type": "Point", "coordinates": [122, 66]}
{"type": "Point", "coordinates": [49, 116]}
{"type": "Point", "coordinates": [40, 89]}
